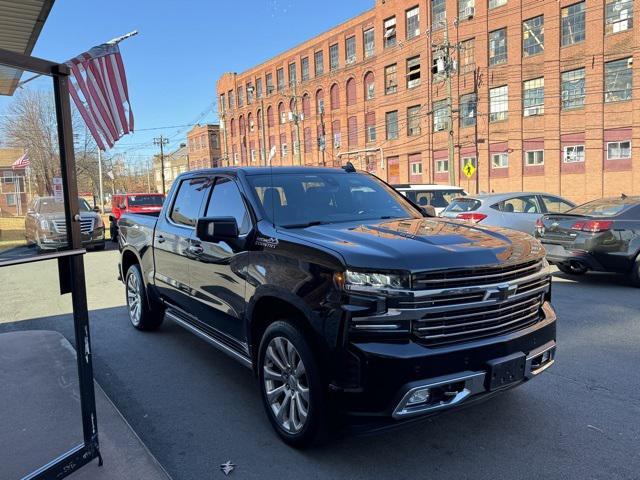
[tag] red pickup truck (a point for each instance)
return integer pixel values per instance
(144, 203)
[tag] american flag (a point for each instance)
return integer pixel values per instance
(22, 162)
(98, 86)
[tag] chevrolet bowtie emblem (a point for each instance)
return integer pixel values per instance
(506, 291)
(227, 467)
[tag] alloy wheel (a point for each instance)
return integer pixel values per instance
(134, 299)
(286, 385)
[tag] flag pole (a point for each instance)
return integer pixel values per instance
(100, 181)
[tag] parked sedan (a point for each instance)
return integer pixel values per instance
(45, 225)
(603, 235)
(518, 210)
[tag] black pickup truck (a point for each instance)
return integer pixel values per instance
(345, 300)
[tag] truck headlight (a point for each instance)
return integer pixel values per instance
(375, 280)
(44, 224)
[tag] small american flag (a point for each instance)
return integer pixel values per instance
(22, 162)
(98, 86)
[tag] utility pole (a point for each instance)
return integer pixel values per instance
(296, 119)
(449, 72)
(476, 75)
(322, 141)
(263, 132)
(161, 141)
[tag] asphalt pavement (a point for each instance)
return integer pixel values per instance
(195, 408)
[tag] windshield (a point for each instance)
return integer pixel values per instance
(50, 205)
(435, 198)
(145, 200)
(601, 208)
(297, 200)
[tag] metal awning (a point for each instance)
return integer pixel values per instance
(21, 22)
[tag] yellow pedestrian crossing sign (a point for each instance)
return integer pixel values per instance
(469, 169)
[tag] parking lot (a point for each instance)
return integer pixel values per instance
(195, 408)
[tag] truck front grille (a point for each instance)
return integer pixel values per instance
(86, 225)
(465, 313)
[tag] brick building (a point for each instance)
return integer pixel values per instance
(554, 109)
(13, 184)
(203, 142)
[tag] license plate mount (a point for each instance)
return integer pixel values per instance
(505, 371)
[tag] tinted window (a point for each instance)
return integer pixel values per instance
(555, 204)
(602, 208)
(526, 204)
(186, 207)
(459, 205)
(51, 205)
(145, 200)
(226, 201)
(299, 199)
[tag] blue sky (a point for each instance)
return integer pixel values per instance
(183, 47)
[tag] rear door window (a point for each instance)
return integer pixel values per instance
(226, 201)
(555, 204)
(186, 207)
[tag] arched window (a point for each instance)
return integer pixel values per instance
(270, 116)
(369, 86)
(292, 105)
(351, 91)
(335, 97)
(233, 127)
(352, 132)
(250, 122)
(306, 105)
(282, 116)
(337, 134)
(319, 101)
(259, 118)
(242, 126)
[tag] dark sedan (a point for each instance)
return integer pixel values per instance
(602, 236)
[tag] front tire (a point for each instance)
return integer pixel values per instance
(113, 231)
(635, 273)
(570, 269)
(291, 384)
(141, 316)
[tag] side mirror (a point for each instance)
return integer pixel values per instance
(122, 206)
(220, 229)
(428, 211)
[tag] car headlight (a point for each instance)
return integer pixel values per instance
(373, 280)
(43, 224)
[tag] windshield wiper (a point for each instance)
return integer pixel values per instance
(305, 225)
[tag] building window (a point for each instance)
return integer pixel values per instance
(370, 126)
(369, 86)
(352, 132)
(573, 89)
(259, 91)
(319, 102)
(500, 160)
(391, 79)
(573, 154)
(573, 24)
(440, 115)
(416, 168)
(413, 72)
(334, 57)
(534, 158)
(468, 110)
(334, 95)
(391, 121)
(269, 83)
(292, 74)
(618, 80)
(618, 150)
(498, 103)
(280, 79)
(468, 55)
(337, 135)
(442, 165)
(498, 47)
(351, 92)
(533, 36)
(304, 65)
(413, 121)
(413, 22)
(496, 3)
(438, 13)
(350, 50)
(369, 42)
(250, 93)
(533, 97)
(284, 149)
(231, 100)
(240, 96)
(466, 9)
(282, 115)
(223, 104)
(618, 16)
(319, 63)
(12, 199)
(390, 33)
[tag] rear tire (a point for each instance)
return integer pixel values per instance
(113, 232)
(635, 273)
(141, 316)
(570, 270)
(292, 387)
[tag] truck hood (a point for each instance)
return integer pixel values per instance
(422, 244)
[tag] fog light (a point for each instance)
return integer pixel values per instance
(419, 396)
(546, 356)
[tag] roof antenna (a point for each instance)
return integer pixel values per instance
(623, 196)
(349, 168)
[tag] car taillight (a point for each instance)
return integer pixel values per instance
(539, 223)
(474, 217)
(593, 226)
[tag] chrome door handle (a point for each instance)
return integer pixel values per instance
(195, 250)
(160, 239)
